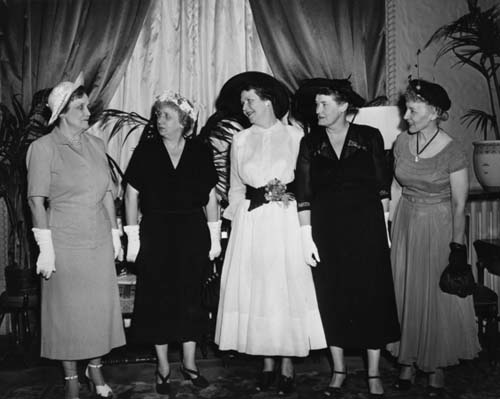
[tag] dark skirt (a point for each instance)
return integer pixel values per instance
(172, 260)
(353, 281)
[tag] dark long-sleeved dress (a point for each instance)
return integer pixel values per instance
(353, 280)
(174, 240)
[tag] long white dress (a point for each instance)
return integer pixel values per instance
(267, 302)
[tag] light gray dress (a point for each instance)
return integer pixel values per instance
(80, 309)
(437, 329)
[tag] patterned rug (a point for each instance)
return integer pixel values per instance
(234, 378)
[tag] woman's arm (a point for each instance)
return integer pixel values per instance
(109, 205)
(212, 207)
(395, 196)
(459, 181)
(131, 205)
(38, 212)
(237, 188)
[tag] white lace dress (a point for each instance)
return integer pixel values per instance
(267, 302)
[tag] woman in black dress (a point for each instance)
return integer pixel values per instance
(173, 178)
(341, 179)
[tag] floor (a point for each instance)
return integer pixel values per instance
(130, 373)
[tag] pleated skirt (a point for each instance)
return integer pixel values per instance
(437, 329)
(267, 302)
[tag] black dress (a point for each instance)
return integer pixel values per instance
(174, 240)
(353, 281)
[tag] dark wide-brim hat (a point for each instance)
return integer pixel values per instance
(304, 99)
(230, 93)
(431, 93)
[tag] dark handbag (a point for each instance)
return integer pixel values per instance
(211, 287)
(457, 278)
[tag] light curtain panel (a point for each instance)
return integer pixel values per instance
(193, 47)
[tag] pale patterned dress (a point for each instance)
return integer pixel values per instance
(267, 303)
(80, 309)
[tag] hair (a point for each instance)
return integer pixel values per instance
(264, 93)
(338, 95)
(185, 120)
(412, 95)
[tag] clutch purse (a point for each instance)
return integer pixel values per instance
(211, 288)
(457, 280)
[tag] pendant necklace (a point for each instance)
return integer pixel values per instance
(426, 144)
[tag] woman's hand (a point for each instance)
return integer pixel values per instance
(134, 243)
(46, 262)
(117, 242)
(309, 249)
(215, 248)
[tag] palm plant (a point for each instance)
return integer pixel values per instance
(474, 39)
(17, 131)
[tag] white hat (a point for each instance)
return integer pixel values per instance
(60, 94)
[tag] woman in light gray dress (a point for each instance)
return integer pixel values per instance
(69, 194)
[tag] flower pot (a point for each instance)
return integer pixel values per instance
(487, 163)
(20, 281)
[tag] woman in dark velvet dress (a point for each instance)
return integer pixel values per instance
(341, 178)
(173, 177)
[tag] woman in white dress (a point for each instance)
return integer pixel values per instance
(267, 302)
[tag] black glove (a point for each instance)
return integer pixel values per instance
(458, 255)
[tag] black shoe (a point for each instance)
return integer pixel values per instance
(266, 379)
(435, 392)
(404, 384)
(198, 381)
(163, 387)
(336, 392)
(286, 385)
(374, 395)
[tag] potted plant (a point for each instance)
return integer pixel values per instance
(18, 130)
(474, 39)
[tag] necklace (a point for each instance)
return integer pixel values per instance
(426, 144)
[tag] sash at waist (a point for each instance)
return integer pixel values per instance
(189, 211)
(425, 200)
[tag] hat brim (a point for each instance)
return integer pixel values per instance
(71, 89)
(230, 92)
(303, 106)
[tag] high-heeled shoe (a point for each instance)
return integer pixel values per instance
(266, 380)
(286, 385)
(100, 391)
(371, 394)
(336, 392)
(68, 380)
(198, 381)
(404, 384)
(163, 387)
(434, 391)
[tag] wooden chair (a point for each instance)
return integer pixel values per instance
(485, 299)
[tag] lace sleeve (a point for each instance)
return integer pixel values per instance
(303, 187)
(383, 171)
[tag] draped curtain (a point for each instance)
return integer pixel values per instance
(324, 38)
(189, 46)
(45, 42)
(192, 47)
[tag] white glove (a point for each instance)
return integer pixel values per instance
(134, 243)
(215, 248)
(311, 255)
(386, 218)
(46, 262)
(117, 242)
